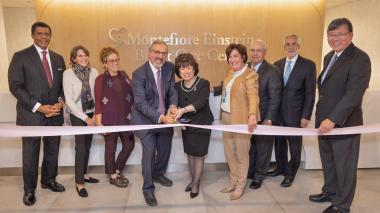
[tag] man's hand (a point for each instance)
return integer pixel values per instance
(304, 122)
(326, 126)
(267, 122)
(58, 105)
(167, 119)
(172, 111)
(48, 110)
(252, 123)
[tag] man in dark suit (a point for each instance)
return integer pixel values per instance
(299, 79)
(155, 94)
(35, 79)
(270, 96)
(341, 84)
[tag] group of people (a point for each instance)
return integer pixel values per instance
(252, 93)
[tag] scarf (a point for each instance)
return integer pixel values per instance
(83, 74)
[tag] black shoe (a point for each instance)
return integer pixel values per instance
(163, 181)
(29, 199)
(255, 184)
(150, 199)
(275, 173)
(320, 198)
(194, 194)
(332, 209)
(188, 189)
(287, 181)
(53, 186)
(91, 180)
(82, 192)
(119, 182)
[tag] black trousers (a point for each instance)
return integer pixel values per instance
(82, 150)
(30, 160)
(259, 156)
(156, 146)
(339, 156)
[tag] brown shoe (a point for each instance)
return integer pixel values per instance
(236, 194)
(119, 182)
(228, 189)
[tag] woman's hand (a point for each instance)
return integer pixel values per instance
(90, 121)
(180, 112)
(252, 123)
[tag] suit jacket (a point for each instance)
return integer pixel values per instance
(145, 109)
(298, 95)
(270, 88)
(28, 83)
(244, 96)
(341, 93)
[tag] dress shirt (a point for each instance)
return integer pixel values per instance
(293, 60)
(225, 106)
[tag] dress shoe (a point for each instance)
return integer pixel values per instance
(82, 192)
(53, 186)
(288, 181)
(29, 198)
(332, 209)
(188, 188)
(163, 180)
(255, 184)
(236, 194)
(150, 199)
(228, 189)
(119, 182)
(320, 198)
(91, 180)
(275, 173)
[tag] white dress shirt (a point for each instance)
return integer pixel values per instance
(226, 98)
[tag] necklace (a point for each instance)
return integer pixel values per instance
(194, 87)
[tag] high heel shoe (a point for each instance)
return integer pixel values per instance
(194, 194)
(188, 189)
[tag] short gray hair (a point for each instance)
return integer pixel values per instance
(155, 42)
(262, 42)
(292, 36)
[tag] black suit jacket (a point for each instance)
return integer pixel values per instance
(270, 88)
(28, 83)
(298, 95)
(145, 94)
(341, 92)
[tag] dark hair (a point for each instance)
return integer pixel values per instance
(74, 53)
(339, 22)
(185, 60)
(39, 24)
(105, 52)
(240, 48)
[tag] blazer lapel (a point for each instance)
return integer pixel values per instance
(325, 64)
(262, 68)
(295, 69)
(149, 74)
(54, 68)
(36, 60)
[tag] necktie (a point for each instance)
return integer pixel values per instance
(47, 68)
(332, 62)
(288, 70)
(161, 106)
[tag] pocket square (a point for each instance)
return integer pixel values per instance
(60, 69)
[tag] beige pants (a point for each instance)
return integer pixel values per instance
(236, 150)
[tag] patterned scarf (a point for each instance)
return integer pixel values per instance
(83, 73)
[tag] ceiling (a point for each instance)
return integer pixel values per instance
(30, 3)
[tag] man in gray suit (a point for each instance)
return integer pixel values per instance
(270, 97)
(341, 84)
(154, 94)
(35, 79)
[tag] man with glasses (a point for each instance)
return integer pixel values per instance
(299, 77)
(155, 94)
(270, 97)
(342, 83)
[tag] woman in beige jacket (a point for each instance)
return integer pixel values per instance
(240, 103)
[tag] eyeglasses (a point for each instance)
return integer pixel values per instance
(157, 52)
(112, 61)
(338, 35)
(258, 50)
